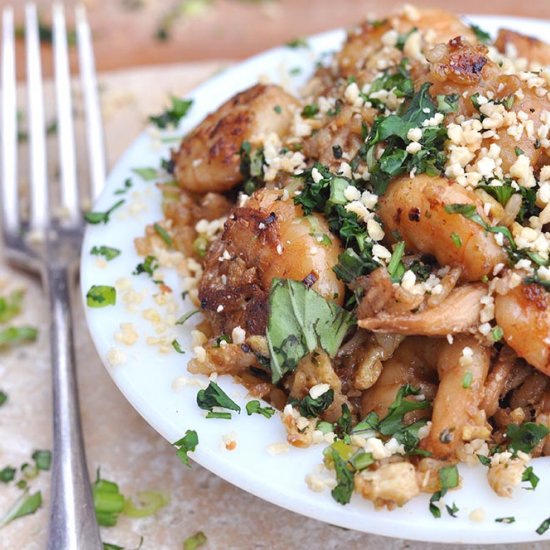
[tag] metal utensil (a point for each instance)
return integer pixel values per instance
(49, 245)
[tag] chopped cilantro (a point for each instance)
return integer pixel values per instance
(107, 252)
(148, 266)
(309, 111)
(448, 477)
(452, 510)
(101, 296)
(525, 437)
(102, 217)
(481, 35)
(344, 477)
(171, 116)
(193, 542)
(447, 103)
(255, 407)
(296, 43)
(214, 396)
(163, 234)
(311, 408)
(7, 474)
(42, 459)
(185, 445)
(501, 193)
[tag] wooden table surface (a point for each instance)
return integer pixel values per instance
(125, 31)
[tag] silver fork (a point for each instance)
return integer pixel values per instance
(49, 246)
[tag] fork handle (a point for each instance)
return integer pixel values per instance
(73, 524)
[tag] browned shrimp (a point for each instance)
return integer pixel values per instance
(524, 316)
(528, 47)
(415, 208)
(268, 238)
(208, 158)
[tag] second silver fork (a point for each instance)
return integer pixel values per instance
(50, 247)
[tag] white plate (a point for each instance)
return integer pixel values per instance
(146, 377)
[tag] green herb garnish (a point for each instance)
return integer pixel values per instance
(127, 185)
(13, 336)
(3, 397)
(10, 306)
(309, 111)
(255, 407)
(163, 234)
(467, 380)
(531, 478)
(43, 459)
(25, 505)
(214, 396)
(344, 477)
(301, 321)
(311, 408)
(102, 217)
(7, 474)
(508, 520)
(108, 501)
(107, 252)
(296, 43)
(187, 316)
(148, 266)
(171, 116)
(525, 437)
(147, 173)
(101, 296)
(543, 527)
(185, 445)
(193, 542)
(481, 35)
(177, 346)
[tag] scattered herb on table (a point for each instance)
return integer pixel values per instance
(108, 501)
(194, 541)
(3, 397)
(7, 474)
(10, 306)
(12, 336)
(25, 505)
(146, 503)
(42, 459)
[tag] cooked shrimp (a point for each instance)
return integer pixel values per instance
(415, 209)
(458, 313)
(523, 313)
(270, 237)
(462, 367)
(465, 69)
(365, 45)
(208, 158)
(523, 46)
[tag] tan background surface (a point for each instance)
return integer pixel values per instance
(117, 439)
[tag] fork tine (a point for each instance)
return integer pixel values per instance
(37, 127)
(10, 211)
(94, 129)
(65, 126)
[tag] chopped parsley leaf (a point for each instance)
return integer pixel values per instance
(452, 510)
(101, 296)
(214, 396)
(447, 103)
(102, 217)
(171, 116)
(148, 266)
(525, 437)
(107, 252)
(7, 474)
(309, 111)
(311, 408)
(185, 445)
(344, 477)
(481, 35)
(485, 460)
(127, 185)
(296, 43)
(255, 407)
(187, 316)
